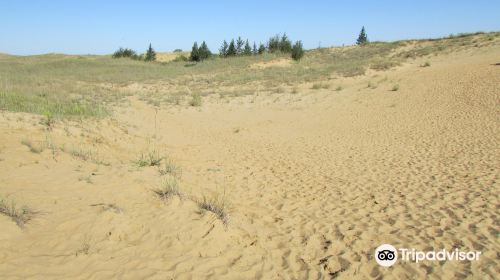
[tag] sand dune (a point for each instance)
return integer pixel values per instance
(315, 181)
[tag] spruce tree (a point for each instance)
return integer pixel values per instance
(273, 44)
(231, 50)
(204, 52)
(239, 46)
(297, 51)
(254, 49)
(362, 38)
(223, 49)
(262, 48)
(285, 44)
(247, 50)
(150, 54)
(195, 55)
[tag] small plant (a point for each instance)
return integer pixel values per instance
(168, 189)
(339, 88)
(371, 85)
(152, 158)
(170, 168)
(195, 100)
(395, 88)
(295, 90)
(320, 86)
(217, 205)
(48, 120)
(20, 216)
(426, 64)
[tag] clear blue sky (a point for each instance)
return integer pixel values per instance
(100, 27)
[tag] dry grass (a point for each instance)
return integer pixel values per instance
(170, 168)
(152, 158)
(21, 216)
(217, 205)
(169, 188)
(195, 100)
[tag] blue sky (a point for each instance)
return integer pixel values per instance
(100, 27)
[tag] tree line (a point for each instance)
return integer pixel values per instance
(238, 47)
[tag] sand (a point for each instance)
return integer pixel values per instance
(315, 181)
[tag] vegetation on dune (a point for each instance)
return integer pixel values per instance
(85, 85)
(20, 216)
(49, 106)
(150, 54)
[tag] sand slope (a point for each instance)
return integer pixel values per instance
(315, 181)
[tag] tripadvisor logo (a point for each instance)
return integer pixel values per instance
(387, 255)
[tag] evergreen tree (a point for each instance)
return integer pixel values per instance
(204, 52)
(231, 50)
(362, 38)
(254, 49)
(150, 54)
(223, 49)
(285, 44)
(262, 48)
(239, 46)
(247, 50)
(273, 45)
(195, 54)
(297, 51)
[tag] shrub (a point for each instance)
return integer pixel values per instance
(426, 64)
(195, 100)
(177, 50)
(362, 38)
(180, 58)
(150, 54)
(297, 51)
(121, 52)
(395, 88)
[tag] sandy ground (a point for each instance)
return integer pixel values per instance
(315, 181)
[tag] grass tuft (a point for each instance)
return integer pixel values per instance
(170, 168)
(195, 100)
(395, 88)
(20, 216)
(217, 205)
(168, 189)
(152, 158)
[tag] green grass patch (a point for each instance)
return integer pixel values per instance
(49, 106)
